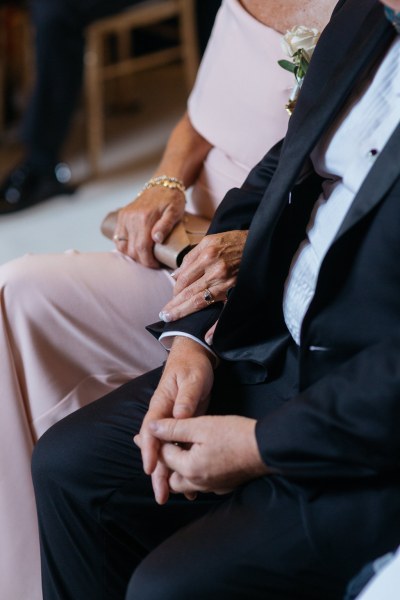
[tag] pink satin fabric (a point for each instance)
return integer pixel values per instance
(237, 102)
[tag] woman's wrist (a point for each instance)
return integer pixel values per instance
(166, 181)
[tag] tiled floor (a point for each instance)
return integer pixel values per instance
(135, 140)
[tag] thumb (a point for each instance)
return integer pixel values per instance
(164, 225)
(172, 430)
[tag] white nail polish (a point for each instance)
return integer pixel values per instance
(158, 237)
(164, 316)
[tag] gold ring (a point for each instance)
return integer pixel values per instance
(208, 297)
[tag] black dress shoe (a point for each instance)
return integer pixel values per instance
(25, 186)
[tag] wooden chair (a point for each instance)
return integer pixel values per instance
(98, 70)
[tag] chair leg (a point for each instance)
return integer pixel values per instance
(94, 87)
(190, 51)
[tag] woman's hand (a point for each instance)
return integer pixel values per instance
(146, 220)
(206, 274)
(152, 216)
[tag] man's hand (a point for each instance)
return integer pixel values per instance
(215, 453)
(146, 220)
(213, 264)
(183, 392)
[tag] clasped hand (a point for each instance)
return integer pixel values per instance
(183, 450)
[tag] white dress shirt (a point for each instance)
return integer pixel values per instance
(343, 157)
(386, 584)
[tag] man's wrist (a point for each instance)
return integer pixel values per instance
(171, 338)
(187, 343)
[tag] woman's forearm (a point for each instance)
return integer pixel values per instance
(184, 153)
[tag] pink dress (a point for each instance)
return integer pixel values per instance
(237, 102)
(72, 325)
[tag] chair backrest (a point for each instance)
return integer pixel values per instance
(98, 69)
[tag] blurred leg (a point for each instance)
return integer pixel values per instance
(59, 47)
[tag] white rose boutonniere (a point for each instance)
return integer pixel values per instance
(298, 43)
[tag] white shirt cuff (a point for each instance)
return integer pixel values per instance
(167, 338)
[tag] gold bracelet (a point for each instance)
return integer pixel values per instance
(164, 181)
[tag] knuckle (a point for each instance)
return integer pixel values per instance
(198, 301)
(141, 246)
(221, 269)
(170, 429)
(207, 255)
(187, 259)
(183, 281)
(187, 293)
(131, 221)
(142, 219)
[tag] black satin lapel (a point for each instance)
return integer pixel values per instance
(380, 179)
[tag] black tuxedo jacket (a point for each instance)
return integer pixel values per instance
(343, 427)
(350, 338)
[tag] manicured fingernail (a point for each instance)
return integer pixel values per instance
(158, 237)
(209, 340)
(165, 316)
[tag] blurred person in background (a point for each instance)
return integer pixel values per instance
(59, 51)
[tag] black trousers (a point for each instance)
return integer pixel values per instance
(59, 46)
(103, 535)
